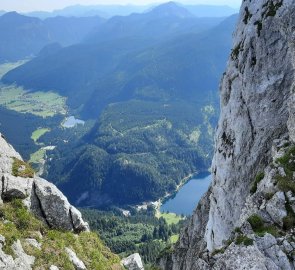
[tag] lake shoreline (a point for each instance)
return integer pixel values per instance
(186, 197)
(157, 204)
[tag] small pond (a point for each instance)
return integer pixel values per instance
(71, 122)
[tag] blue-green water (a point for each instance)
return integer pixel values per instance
(71, 122)
(187, 198)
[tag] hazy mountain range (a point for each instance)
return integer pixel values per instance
(108, 11)
(23, 36)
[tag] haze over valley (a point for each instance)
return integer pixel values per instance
(117, 106)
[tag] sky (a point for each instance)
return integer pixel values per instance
(49, 5)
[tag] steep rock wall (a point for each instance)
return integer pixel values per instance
(255, 96)
(256, 126)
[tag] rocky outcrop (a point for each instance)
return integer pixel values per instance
(78, 264)
(20, 261)
(133, 262)
(246, 220)
(41, 197)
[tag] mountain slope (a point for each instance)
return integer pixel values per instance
(24, 36)
(156, 109)
(247, 219)
(137, 151)
(98, 74)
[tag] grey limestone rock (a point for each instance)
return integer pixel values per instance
(15, 187)
(56, 209)
(34, 243)
(257, 119)
(133, 262)
(78, 264)
(43, 198)
(276, 208)
(268, 245)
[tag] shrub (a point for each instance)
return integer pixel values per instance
(238, 230)
(258, 179)
(286, 183)
(236, 51)
(242, 239)
(218, 251)
(256, 222)
(247, 16)
(289, 220)
(259, 27)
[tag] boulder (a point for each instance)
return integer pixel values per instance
(276, 208)
(56, 209)
(133, 262)
(15, 187)
(78, 264)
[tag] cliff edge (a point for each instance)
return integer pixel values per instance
(39, 228)
(246, 220)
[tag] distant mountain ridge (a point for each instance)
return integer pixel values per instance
(159, 23)
(171, 9)
(108, 11)
(23, 36)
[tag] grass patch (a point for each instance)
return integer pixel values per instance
(44, 104)
(170, 218)
(259, 227)
(4, 68)
(258, 179)
(174, 238)
(21, 223)
(88, 247)
(37, 156)
(289, 220)
(39, 133)
(22, 169)
(286, 183)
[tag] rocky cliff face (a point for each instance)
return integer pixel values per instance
(246, 220)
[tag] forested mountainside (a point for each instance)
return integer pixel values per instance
(32, 34)
(117, 65)
(247, 218)
(153, 96)
(152, 139)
